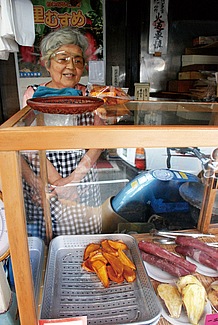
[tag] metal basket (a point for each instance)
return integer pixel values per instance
(70, 291)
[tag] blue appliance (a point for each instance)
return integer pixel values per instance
(155, 191)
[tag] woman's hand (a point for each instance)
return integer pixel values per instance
(65, 189)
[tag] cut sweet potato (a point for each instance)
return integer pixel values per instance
(101, 271)
(116, 244)
(115, 263)
(87, 265)
(125, 260)
(107, 248)
(112, 275)
(90, 248)
(98, 256)
(129, 274)
(109, 261)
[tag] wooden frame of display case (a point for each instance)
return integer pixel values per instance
(13, 139)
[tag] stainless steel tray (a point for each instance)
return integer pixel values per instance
(36, 250)
(70, 291)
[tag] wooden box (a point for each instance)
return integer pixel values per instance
(180, 86)
(189, 75)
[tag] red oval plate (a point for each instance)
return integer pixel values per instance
(65, 104)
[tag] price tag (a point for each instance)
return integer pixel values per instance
(211, 319)
(66, 321)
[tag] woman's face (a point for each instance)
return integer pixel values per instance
(67, 65)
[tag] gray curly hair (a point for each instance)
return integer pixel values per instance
(55, 39)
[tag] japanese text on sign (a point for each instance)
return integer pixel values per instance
(158, 36)
(53, 19)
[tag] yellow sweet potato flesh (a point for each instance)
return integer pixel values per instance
(194, 299)
(171, 297)
(193, 296)
(98, 256)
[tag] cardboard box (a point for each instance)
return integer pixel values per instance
(198, 67)
(180, 86)
(189, 75)
(199, 59)
(204, 40)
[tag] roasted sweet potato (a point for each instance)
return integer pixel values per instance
(129, 274)
(108, 260)
(125, 260)
(107, 248)
(90, 248)
(95, 252)
(98, 256)
(101, 271)
(115, 263)
(87, 265)
(116, 244)
(112, 275)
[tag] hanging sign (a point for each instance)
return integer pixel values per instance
(158, 36)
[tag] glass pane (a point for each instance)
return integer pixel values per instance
(138, 113)
(172, 113)
(160, 187)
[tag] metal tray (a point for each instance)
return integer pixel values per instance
(37, 253)
(70, 291)
(36, 250)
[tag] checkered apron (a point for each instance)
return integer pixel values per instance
(82, 216)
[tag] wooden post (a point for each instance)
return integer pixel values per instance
(17, 235)
(205, 216)
(45, 196)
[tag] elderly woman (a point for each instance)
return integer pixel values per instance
(74, 209)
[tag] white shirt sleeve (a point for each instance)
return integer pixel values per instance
(23, 18)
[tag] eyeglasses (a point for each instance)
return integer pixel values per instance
(64, 57)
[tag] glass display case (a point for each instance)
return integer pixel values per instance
(150, 124)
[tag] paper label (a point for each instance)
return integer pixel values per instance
(211, 319)
(66, 321)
